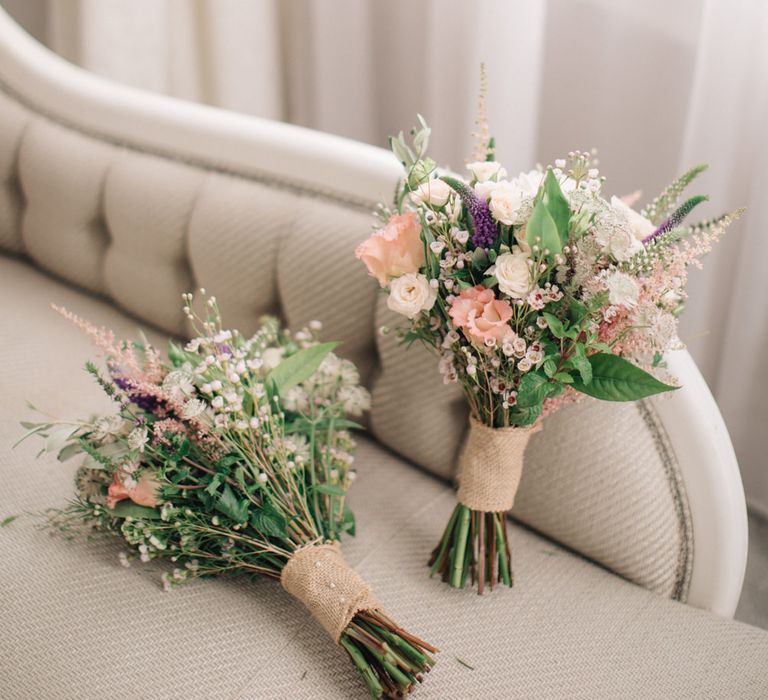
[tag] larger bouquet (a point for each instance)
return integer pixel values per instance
(532, 291)
(234, 457)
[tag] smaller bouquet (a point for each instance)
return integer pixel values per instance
(532, 291)
(235, 457)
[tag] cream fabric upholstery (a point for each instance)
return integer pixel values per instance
(76, 625)
(141, 228)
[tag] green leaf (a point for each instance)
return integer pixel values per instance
(555, 324)
(213, 487)
(549, 367)
(541, 225)
(564, 377)
(229, 504)
(533, 389)
(581, 364)
(480, 260)
(176, 354)
(524, 415)
(268, 521)
(8, 520)
(432, 261)
(129, 509)
(348, 521)
(58, 438)
(329, 490)
(69, 451)
(577, 310)
(616, 379)
(557, 206)
(299, 367)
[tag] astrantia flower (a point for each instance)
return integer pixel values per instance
(193, 408)
(107, 428)
(354, 399)
(179, 384)
(622, 289)
(137, 439)
(296, 399)
(91, 484)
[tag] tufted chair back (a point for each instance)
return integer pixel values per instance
(139, 198)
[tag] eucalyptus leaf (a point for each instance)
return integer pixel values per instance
(616, 379)
(69, 451)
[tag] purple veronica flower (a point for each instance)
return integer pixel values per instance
(145, 403)
(484, 231)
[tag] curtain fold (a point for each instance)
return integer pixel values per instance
(656, 86)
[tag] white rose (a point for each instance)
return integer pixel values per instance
(434, 192)
(640, 226)
(272, 357)
(505, 203)
(622, 289)
(513, 274)
(484, 170)
(529, 183)
(410, 294)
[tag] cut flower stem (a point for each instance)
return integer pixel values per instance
(474, 546)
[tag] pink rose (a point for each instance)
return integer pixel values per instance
(394, 250)
(143, 494)
(481, 316)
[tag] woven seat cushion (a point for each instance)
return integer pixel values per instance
(74, 624)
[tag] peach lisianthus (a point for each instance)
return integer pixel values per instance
(394, 250)
(143, 494)
(483, 318)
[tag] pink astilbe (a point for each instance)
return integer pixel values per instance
(103, 338)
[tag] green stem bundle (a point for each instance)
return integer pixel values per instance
(474, 546)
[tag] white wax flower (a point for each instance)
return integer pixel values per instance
(529, 183)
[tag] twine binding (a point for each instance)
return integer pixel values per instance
(491, 465)
(327, 586)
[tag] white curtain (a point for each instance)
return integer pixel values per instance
(655, 86)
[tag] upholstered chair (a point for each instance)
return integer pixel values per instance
(629, 532)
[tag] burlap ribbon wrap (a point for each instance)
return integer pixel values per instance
(491, 465)
(329, 588)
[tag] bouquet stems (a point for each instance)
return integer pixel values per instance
(474, 546)
(389, 659)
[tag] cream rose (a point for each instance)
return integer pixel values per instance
(484, 170)
(434, 192)
(506, 202)
(411, 294)
(640, 226)
(513, 274)
(529, 183)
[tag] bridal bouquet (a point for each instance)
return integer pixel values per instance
(532, 291)
(234, 457)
